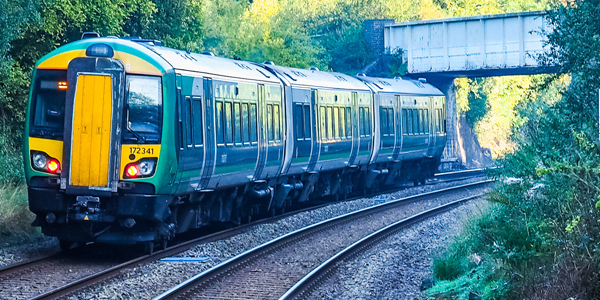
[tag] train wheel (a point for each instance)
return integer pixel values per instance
(65, 245)
(149, 247)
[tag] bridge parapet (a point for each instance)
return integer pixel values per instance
(489, 45)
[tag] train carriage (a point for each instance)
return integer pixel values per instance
(129, 142)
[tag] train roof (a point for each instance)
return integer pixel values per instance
(316, 78)
(213, 65)
(402, 86)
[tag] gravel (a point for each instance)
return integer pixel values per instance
(397, 267)
(150, 280)
(12, 252)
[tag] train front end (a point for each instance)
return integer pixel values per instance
(92, 144)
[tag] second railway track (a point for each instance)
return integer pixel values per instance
(59, 275)
(268, 270)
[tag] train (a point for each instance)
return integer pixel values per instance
(130, 142)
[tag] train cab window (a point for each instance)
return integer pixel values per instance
(48, 104)
(307, 124)
(219, 122)
(276, 122)
(270, 124)
(323, 122)
(228, 123)
(348, 122)
(143, 108)
(298, 122)
(237, 128)
(197, 121)
(245, 124)
(383, 121)
(253, 127)
(342, 124)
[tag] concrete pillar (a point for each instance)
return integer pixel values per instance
(446, 85)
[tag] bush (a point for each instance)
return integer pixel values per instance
(15, 217)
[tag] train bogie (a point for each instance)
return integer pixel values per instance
(130, 142)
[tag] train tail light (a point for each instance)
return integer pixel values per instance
(40, 161)
(132, 171)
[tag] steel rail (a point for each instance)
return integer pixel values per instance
(89, 280)
(310, 282)
(84, 282)
(225, 266)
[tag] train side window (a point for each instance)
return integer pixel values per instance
(228, 123)
(330, 134)
(187, 121)
(361, 120)
(349, 122)
(253, 126)
(414, 118)
(383, 121)
(336, 122)
(391, 127)
(367, 122)
(219, 122)
(342, 124)
(276, 122)
(245, 124)
(270, 122)
(426, 120)
(404, 121)
(439, 120)
(323, 123)
(307, 124)
(237, 129)
(298, 122)
(197, 120)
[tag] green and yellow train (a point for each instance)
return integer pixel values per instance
(129, 142)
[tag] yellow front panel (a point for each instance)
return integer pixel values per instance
(92, 119)
(133, 153)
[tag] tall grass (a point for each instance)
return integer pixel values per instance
(15, 217)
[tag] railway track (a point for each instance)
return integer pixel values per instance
(70, 273)
(271, 268)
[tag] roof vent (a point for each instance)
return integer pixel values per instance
(422, 79)
(208, 53)
(361, 74)
(89, 35)
(314, 69)
(138, 39)
(268, 62)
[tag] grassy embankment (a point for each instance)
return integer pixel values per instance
(15, 217)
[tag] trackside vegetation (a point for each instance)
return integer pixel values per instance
(541, 237)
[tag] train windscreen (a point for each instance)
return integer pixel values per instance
(143, 109)
(48, 104)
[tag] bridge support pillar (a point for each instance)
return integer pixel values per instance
(446, 85)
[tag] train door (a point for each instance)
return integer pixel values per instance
(430, 127)
(263, 143)
(209, 133)
(315, 138)
(355, 133)
(92, 143)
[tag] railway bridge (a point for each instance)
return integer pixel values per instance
(478, 46)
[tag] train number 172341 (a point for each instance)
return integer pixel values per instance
(141, 150)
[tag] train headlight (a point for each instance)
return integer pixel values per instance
(146, 167)
(142, 168)
(40, 161)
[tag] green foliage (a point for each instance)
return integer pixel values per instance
(15, 218)
(398, 67)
